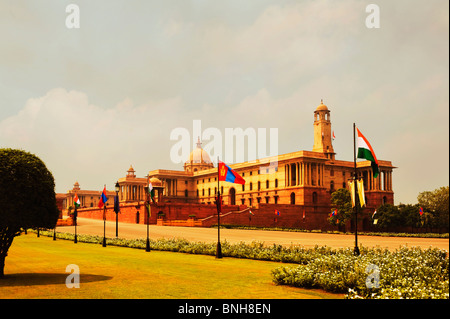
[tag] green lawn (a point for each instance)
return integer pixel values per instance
(35, 268)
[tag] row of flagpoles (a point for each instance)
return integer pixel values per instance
(225, 173)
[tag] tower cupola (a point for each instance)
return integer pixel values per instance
(322, 131)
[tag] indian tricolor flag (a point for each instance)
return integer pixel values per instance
(76, 201)
(365, 151)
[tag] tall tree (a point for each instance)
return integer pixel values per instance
(27, 197)
(437, 203)
(341, 201)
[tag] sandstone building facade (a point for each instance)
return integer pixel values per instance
(298, 184)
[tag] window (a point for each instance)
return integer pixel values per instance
(185, 193)
(243, 187)
(259, 185)
(314, 198)
(251, 186)
(276, 183)
(292, 198)
(267, 183)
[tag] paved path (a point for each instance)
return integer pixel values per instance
(133, 231)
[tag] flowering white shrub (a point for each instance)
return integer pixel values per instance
(405, 273)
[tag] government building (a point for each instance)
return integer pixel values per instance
(298, 185)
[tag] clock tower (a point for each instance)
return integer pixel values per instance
(322, 131)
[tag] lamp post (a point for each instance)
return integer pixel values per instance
(116, 208)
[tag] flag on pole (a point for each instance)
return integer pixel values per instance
(277, 212)
(116, 204)
(251, 213)
(151, 191)
(362, 198)
(333, 213)
(420, 211)
(351, 185)
(219, 204)
(374, 213)
(365, 151)
(103, 198)
(334, 137)
(228, 175)
(76, 201)
(149, 207)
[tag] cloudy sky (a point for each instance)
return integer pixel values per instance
(93, 100)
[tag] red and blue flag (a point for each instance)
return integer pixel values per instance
(103, 198)
(333, 213)
(228, 175)
(277, 212)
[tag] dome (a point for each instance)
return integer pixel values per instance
(322, 107)
(155, 181)
(199, 156)
(199, 160)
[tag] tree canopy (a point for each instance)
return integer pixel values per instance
(342, 202)
(27, 196)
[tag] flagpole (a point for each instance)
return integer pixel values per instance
(104, 223)
(75, 222)
(356, 250)
(219, 205)
(147, 208)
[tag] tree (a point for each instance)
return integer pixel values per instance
(437, 204)
(388, 216)
(342, 201)
(409, 215)
(27, 197)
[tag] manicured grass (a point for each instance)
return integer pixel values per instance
(35, 268)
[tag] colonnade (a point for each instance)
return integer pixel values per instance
(304, 174)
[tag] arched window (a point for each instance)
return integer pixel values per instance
(232, 196)
(292, 198)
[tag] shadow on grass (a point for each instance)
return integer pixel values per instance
(36, 279)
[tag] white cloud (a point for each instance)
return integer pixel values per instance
(86, 142)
